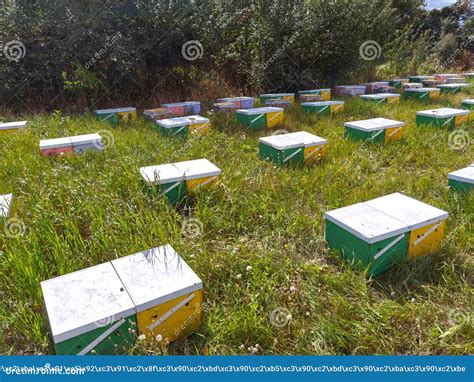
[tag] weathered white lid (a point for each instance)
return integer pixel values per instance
(374, 124)
(452, 86)
(85, 139)
(322, 103)
(156, 276)
(443, 112)
(13, 125)
(367, 223)
(313, 90)
(260, 110)
(169, 123)
(85, 300)
(5, 202)
(292, 140)
(193, 119)
(55, 143)
(351, 86)
(421, 77)
(469, 101)
(422, 90)
(380, 95)
(187, 103)
(199, 168)
(117, 110)
(234, 99)
(465, 175)
(277, 95)
(414, 213)
(163, 173)
(446, 75)
(469, 74)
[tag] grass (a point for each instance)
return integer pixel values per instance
(262, 248)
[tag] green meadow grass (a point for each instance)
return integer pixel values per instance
(262, 249)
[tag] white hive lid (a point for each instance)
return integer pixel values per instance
(13, 125)
(161, 174)
(199, 168)
(193, 119)
(469, 101)
(380, 95)
(82, 301)
(367, 223)
(260, 110)
(443, 112)
(169, 123)
(86, 139)
(5, 202)
(414, 213)
(55, 143)
(116, 110)
(313, 90)
(322, 103)
(351, 86)
(421, 90)
(156, 276)
(277, 95)
(452, 86)
(290, 140)
(374, 124)
(234, 99)
(465, 175)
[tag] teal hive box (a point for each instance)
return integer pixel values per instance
(287, 96)
(420, 79)
(323, 108)
(452, 88)
(382, 98)
(375, 130)
(261, 118)
(397, 83)
(183, 126)
(444, 117)
(462, 180)
(422, 94)
(115, 116)
(468, 104)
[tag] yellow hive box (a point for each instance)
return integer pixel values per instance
(10, 127)
(275, 118)
(198, 173)
(166, 292)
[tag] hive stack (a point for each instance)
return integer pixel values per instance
(5, 203)
(177, 180)
(239, 102)
(462, 180)
(444, 117)
(350, 90)
(452, 88)
(381, 232)
(293, 148)
(323, 108)
(325, 94)
(184, 126)
(69, 145)
(382, 98)
(375, 130)
(423, 94)
(287, 96)
(158, 113)
(263, 117)
(180, 109)
(102, 309)
(117, 116)
(9, 127)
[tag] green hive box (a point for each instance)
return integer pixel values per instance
(444, 117)
(382, 98)
(115, 116)
(292, 148)
(452, 88)
(180, 126)
(462, 180)
(376, 130)
(419, 79)
(90, 312)
(422, 94)
(468, 104)
(397, 83)
(288, 96)
(260, 118)
(324, 93)
(323, 108)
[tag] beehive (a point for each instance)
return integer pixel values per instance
(381, 232)
(116, 116)
(444, 117)
(455, 80)
(284, 103)
(324, 108)
(462, 180)
(423, 94)
(444, 77)
(420, 79)
(90, 312)
(184, 126)
(430, 83)
(240, 102)
(263, 117)
(288, 96)
(12, 126)
(165, 291)
(412, 85)
(5, 203)
(382, 98)
(468, 104)
(350, 90)
(225, 107)
(324, 93)
(177, 180)
(310, 98)
(293, 148)
(469, 77)
(375, 130)
(158, 113)
(376, 87)
(180, 109)
(68, 145)
(397, 83)
(452, 88)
